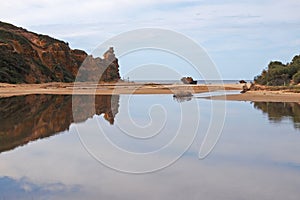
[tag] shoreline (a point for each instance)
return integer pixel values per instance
(8, 90)
(260, 96)
(84, 88)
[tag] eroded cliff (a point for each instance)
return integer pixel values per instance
(27, 57)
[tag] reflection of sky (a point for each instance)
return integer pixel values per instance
(254, 159)
(24, 189)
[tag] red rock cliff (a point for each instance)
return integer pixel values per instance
(27, 57)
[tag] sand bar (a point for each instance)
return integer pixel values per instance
(7, 90)
(261, 96)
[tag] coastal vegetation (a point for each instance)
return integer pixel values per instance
(279, 74)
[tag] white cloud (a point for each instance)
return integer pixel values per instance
(221, 26)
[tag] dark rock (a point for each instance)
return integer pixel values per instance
(245, 88)
(188, 80)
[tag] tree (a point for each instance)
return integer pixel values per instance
(278, 74)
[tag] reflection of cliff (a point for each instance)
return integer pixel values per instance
(279, 111)
(104, 104)
(27, 118)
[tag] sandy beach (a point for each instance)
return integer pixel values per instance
(7, 90)
(261, 96)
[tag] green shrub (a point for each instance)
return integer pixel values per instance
(278, 74)
(296, 78)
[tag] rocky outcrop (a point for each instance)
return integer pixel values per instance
(244, 88)
(98, 69)
(28, 118)
(188, 80)
(27, 57)
(242, 81)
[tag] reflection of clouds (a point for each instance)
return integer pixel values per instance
(249, 137)
(23, 188)
(133, 147)
(256, 160)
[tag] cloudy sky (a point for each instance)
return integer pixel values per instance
(241, 37)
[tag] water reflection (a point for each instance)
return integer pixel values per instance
(28, 118)
(180, 99)
(183, 96)
(278, 111)
(251, 160)
(23, 188)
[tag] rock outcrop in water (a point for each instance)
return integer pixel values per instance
(188, 80)
(27, 57)
(28, 118)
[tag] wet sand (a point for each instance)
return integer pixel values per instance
(261, 96)
(7, 90)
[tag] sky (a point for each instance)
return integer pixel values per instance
(240, 37)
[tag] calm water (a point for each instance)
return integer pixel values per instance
(198, 81)
(48, 152)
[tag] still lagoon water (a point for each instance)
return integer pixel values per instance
(47, 152)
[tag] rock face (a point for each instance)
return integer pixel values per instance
(28, 118)
(27, 57)
(98, 69)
